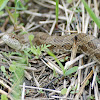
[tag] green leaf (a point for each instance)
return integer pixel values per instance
(66, 58)
(3, 69)
(3, 3)
(59, 63)
(11, 16)
(19, 5)
(63, 91)
(44, 47)
(12, 68)
(4, 97)
(91, 13)
(98, 80)
(57, 10)
(74, 92)
(87, 82)
(90, 97)
(69, 1)
(71, 70)
(23, 32)
(62, 60)
(31, 37)
(1, 12)
(15, 16)
(16, 53)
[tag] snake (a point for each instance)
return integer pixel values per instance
(87, 44)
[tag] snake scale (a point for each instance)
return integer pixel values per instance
(88, 44)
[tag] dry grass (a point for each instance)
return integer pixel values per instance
(42, 81)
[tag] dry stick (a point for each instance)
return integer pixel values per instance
(35, 27)
(63, 27)
(84, 66)
(6, 86)
(27, 75)
(30, 21)
(66, 13)
(23, 91)
(83, 17)
(96, 91)
(31, 87)
(51, 66)
(74, 50)
(87, 19)
(84, 84)
(5, 93)
(41, 73)
(46, 22)
(97, 14)
(69, 19)
(94, 77)
(64, 84)
(29, 26)
(61, 98)
(70, 87)
(79, 75)
(53, 93)
(6, 81)
(36, 82)
(78, 28)
(43, 15)
(44, 5)
(73, 61)
(52, 28)
(89, 90)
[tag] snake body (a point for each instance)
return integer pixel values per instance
(88, 44)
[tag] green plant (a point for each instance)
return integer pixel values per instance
(63, 91)
(66, 58)
(71, 70)
(14, 16)
(59, 63)
(73, 90)
(3, 3)
(5, 73)
(57, 11)
(4, 97)
(91, 98)
(17, 72)
(69, 1)
(91, 13)
(37, 50)
(18, 5)
(98, 79)
(66, 72)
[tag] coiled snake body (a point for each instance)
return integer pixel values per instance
(88, 44)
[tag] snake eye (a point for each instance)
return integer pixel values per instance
(62, 45)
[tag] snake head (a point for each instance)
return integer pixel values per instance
(11, 42)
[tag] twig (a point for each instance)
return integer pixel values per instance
(52, 28)
(83, 85)
(23, 91)
(30, 87)
(73, 61)
(84, 66)
(43, 15)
